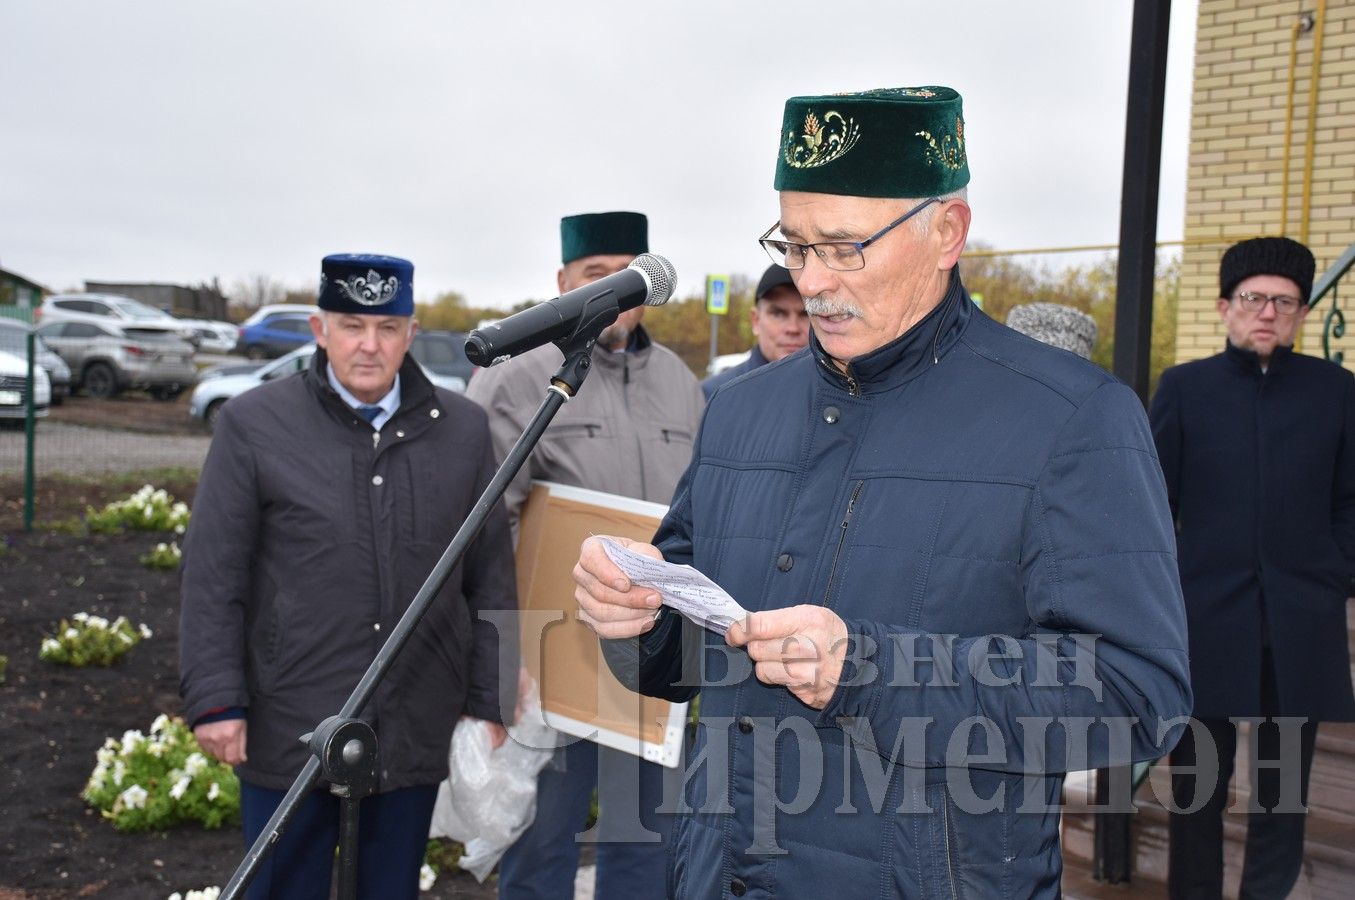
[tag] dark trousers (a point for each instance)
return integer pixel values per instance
(631, 835)
(1274, 850)
(392, 837)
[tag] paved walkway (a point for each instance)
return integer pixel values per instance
(77, 450)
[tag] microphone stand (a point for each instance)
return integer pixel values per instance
(344, 747)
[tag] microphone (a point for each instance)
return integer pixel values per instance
(650, 280)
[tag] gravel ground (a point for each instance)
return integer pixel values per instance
(79, 450)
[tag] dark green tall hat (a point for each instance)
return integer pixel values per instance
(888, 142)
(603, 234)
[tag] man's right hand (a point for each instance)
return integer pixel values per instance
(608, 603)
(224, 740)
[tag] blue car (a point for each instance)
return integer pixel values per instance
(274, 335)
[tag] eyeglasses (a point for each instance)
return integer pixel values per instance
(1254, 302)
(844, 256)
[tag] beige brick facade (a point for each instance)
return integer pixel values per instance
(1235, 187)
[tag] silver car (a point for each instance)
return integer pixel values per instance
(14, 339)
(112, 309)
(106, 359)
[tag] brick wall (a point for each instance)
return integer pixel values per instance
(1236, 177)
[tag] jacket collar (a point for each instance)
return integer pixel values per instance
(635, 355)
(415, 388)
(908, 356)
(756, 357)
(1250, 360)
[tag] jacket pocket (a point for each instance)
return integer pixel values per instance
(268, 643)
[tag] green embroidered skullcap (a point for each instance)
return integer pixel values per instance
(603, 234)
(888, 142)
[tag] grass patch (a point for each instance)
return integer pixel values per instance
(60, 499)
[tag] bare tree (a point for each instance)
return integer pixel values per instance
(256, 290)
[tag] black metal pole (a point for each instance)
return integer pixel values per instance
(578, 360)
(1112, 857)
(1138, 193)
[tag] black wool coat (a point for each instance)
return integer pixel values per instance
(311, 534)
(1260, 470)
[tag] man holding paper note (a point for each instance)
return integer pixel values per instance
(954, 542)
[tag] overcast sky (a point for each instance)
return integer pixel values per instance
(165, 140)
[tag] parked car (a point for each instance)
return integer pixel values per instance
(443, 353)
(14, 385)
(214, 337)
(212, 393)
(725, 361)
(14, 339)
(270, 309)
(230, 368)
(274, 335)
(114, 309)
(106, 359)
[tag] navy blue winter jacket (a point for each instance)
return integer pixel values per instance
(962, 489)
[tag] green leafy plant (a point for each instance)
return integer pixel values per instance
(163, 556)
(85, 640)
(149, 509)
(441, 855)
(156, 781)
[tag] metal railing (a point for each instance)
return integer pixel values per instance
(1334, 323)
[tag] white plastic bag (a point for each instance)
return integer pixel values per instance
(489, 797)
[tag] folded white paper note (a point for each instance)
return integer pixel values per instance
(681, 587)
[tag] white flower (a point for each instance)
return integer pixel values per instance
(145, 633)
(179, 529)
(100, 621)
(155, 748)
(134, 797)
(125, 638)
(195, 764)
(160, 724)
(80, 617)
(71, 634)
(180, 786)
(50, 645)
(131, 739)
(104, 755)
(214, 791)
(426, 877)
(98, 776)
(119, 772)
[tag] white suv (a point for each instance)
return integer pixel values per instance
(112, 309)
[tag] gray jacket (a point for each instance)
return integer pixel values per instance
(628, 432)
(310, 536)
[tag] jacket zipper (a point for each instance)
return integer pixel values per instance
(853, 387)
(945, 836)
(841, 539)
(639, 445)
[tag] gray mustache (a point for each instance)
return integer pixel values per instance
(822, 306)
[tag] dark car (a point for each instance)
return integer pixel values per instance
(274, 335)
(444, 354)
(14, 339)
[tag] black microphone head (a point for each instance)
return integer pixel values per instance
(660, 276)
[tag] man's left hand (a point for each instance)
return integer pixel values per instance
(801, 647)
(497, 733)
